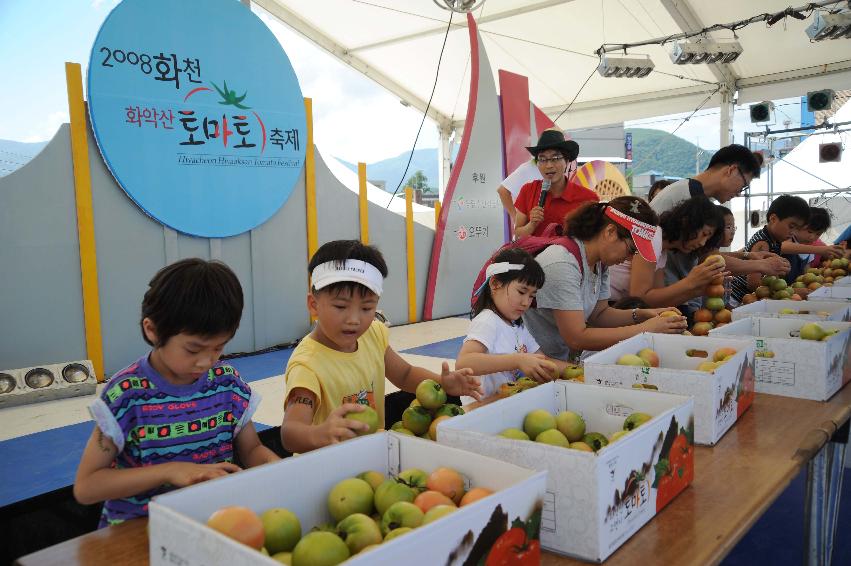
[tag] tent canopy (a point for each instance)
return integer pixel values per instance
(553, 43)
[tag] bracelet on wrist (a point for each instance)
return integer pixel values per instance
(635, 316)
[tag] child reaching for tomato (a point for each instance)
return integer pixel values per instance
(339, 368)
(498, 346)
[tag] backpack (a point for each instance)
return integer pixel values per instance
(534, 245)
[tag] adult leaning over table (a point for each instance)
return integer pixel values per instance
(572, 312)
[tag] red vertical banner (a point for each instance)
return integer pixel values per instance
(542, 121)
(516, 127)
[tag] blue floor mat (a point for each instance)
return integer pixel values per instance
(777, 538)
(40, 463)
(261, 366)
(445, 349)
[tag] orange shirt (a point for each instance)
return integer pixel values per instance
(555, 208)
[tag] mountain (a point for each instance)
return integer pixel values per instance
(651, 149)
(390, 170)
(14, 155)
(660, 151)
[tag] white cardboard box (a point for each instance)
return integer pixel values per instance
(843, 281)
(585, 512)
(835, 293)
(720, 397)
(796, 368)
(767, 308)
(179, 535)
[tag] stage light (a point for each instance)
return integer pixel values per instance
(830, 152)
(38, 378)
(758, 218)
(459, 6)
(46, 383)
(685, 53)
(761, 112)
(7, 383)
(820, 100)
(75, 373)
(829, 26)
(628, 67)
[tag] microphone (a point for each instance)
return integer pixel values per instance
(545, 187)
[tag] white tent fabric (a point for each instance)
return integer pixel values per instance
(552, 42)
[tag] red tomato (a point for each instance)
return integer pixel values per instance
(512, 549)
(665, 491)
(678, 449)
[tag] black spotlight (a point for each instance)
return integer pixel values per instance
(761, 112)
(830, 152)
(818, 100)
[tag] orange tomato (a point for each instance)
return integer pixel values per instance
(448, 482)
(428, 499)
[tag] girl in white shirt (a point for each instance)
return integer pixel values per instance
(498, 347)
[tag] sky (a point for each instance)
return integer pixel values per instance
(354, 118)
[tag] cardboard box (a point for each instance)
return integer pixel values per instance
(179, 534)
(594, 502)
(720, 397)
(804, 310)
(844, 281)
(787, 365)
(835, 293)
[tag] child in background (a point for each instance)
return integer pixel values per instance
(786, 215)
(807, 247)
(498, 347)
(341, 365)
(729, 227)
(175, 416)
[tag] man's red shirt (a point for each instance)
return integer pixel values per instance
(555, 208)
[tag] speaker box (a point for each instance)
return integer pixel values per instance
(46, 383)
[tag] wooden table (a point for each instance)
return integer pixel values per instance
(735, 482)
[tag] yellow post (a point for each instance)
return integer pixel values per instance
(409, 243)
(310, 182)
(363, 204)
(436, 213)
(310, 187)
(85, 217)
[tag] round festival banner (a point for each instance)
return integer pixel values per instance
(604, 179)
(197, 112)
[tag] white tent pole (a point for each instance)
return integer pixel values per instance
(444, 156)
(726, 115)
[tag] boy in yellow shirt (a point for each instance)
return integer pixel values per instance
(341, 365)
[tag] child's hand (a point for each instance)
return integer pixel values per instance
(460, 382)
(832, 252)
(338, 428)
(774, 265)
(538, 367)
(182, 474)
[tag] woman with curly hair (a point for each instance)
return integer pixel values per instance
(694, 227)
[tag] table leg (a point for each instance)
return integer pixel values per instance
(824, 488)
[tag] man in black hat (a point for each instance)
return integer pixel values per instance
(552, 155)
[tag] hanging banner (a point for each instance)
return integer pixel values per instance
(197, 112)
